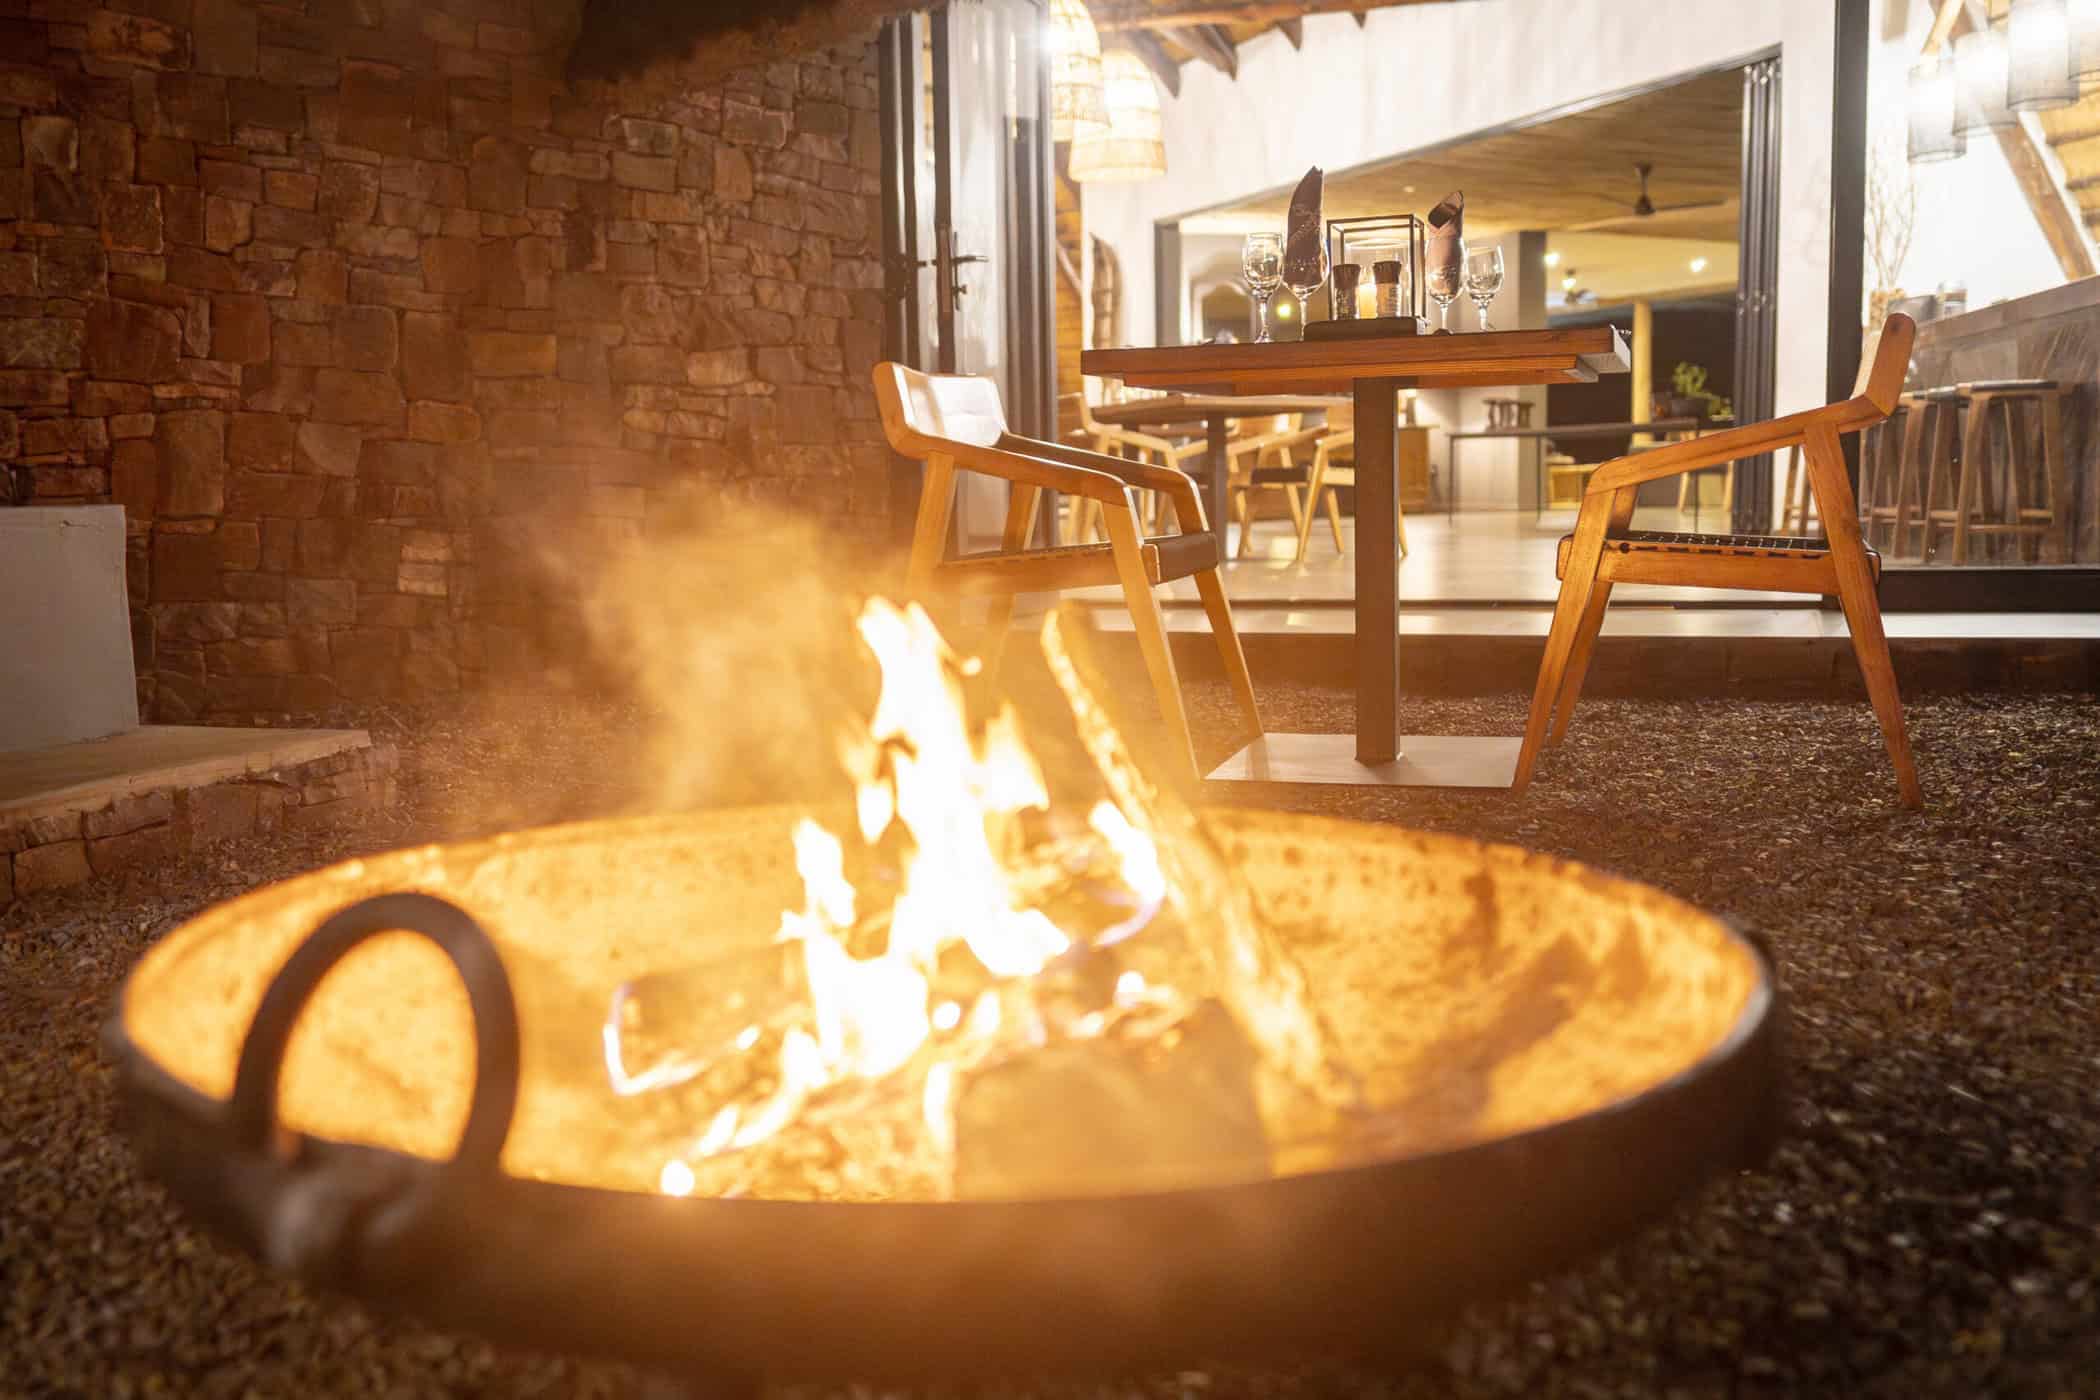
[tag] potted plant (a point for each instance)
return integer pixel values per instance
(1689, 397)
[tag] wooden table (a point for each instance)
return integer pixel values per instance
(1374, 372)
(1215, 414)
(1541, 437)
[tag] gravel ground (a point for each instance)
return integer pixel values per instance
(1932, 1226)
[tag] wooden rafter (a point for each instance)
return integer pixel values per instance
(1211, 44)
(1146, 45)
(1176, 14)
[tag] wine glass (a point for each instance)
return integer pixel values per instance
(1483, 278)
(1445, 280)
(1261, 259)
(1308, 275)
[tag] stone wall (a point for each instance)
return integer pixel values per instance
(67, 841)
(364, 316)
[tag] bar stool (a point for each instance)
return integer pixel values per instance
(2035, 493)
(1888, 474)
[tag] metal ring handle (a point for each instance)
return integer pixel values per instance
(253, 1110)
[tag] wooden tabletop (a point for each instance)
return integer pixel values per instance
(1574, 430)
(1478, 359)
(1189, 408)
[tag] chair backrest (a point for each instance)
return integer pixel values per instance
(1094, 390)
(921, 411)
(1884, 363)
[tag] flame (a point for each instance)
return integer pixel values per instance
(969, 879)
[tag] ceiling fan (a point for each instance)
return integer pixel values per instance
(1644, 206)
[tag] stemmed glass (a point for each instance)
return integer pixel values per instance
(1308, 276)
(1445, 281)
(1261, 259)
(1483, 278)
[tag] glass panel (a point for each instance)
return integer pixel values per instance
(993, 56)
(1978, 200)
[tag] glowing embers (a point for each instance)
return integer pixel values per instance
(950, 969)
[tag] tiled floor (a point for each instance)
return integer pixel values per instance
(1490, 573)
(1475, 557)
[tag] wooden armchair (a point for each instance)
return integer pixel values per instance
(1116, 440)
(955, 423)
(1604, 550)
(1334, 466)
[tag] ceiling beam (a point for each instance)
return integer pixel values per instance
(1293, 30)
(1211, 44)
(1146, 45)
(1175, 14)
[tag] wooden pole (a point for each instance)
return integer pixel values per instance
(1643, 364)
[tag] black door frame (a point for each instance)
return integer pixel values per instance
(1029, 254)
(1757, 287)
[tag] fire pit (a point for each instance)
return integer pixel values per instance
(1428, 1071)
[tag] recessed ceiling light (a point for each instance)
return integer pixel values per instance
(1698, 264)
(1407, 189)
(1552, 259)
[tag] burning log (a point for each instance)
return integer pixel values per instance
(1058, 990)
(1114, 1114)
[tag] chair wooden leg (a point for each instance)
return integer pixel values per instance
(1584, 557)
(1300, 504)
(1243, 511)
(1315, 484)
(1021, 504)
(2060, 506)
(1907, 476)
(1579, 660)
(1151, 630)
(929, 537)
(1684, 487)
(1826, 464)
(1967, 494)
(1212, 589)
(1399, 524)
(1334, 519)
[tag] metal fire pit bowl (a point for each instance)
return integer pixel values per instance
(1557, 1057)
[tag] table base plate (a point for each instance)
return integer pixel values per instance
(1426, 760)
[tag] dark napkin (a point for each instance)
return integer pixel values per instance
(1304, 235)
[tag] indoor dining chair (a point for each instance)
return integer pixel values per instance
(955, 423)
(1604, 550)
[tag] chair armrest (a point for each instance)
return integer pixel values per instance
(1129, 470)
(1038, 467)
(1712, 450)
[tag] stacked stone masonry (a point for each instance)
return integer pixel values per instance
(48, 850)
(380, 332)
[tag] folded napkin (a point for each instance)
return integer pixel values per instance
(1443, 244)
(1304, 237)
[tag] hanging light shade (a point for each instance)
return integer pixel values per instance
(1930, 102)
(1982, 68)
(1134, 146)
(2038, 56)
(1077, 107)
(2082, 19)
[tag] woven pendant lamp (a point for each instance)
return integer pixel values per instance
(1077, 107)
(1134, 146)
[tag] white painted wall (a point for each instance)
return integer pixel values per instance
(1420, 74)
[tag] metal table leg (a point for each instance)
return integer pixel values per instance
(1214, 462)
(1377, 754)
(1377, 570)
